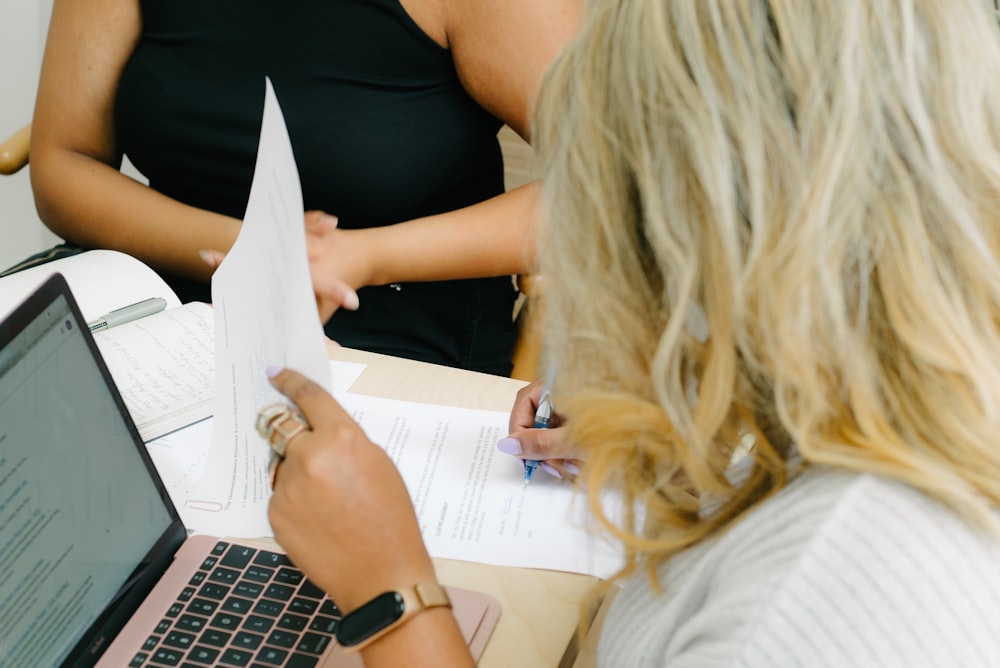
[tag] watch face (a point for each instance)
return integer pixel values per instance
(374, 616)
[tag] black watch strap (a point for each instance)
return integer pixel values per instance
(387, 611)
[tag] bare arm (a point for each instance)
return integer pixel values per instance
(79, 192)
(341, 511)
(501, 50)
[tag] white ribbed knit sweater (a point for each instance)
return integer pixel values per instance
(837, 570)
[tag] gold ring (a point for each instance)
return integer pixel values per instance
(271, 421)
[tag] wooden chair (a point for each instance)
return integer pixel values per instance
(14, 151)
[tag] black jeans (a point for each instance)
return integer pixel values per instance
(54, 253)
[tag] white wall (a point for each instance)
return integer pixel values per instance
(23, 24)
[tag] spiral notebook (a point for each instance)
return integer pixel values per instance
(98, 568)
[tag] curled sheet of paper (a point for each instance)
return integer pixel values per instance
(265, 314)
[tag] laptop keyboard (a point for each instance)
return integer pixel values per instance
(244, 607)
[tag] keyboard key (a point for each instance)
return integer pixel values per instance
(198, 578)
(166, 657)
(238, 556)
(274, 559)
(224, 575)
(215, 638)
(280, 592)
(237, 605)
(226, 621)
(235, 657)
(282, 638)
(186, 594)
(293, 622)
(209, 563)
(220, 548)
(191, 623)
(289, 576)
(303, 606)
(301, 661)
(268, 608)
(258, 624)
(174, 610)
(203, 654)
(162, 627)
(330, 609)
(202, 606)
(314, 643)
(272, 656)
(138, 660)
(248, 589)
(258, 574)
(179, 639)
(324, 624)
(214, 591)
(245, 640)
(151, 642)
(311, 590)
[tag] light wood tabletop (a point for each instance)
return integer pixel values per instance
(540, 609)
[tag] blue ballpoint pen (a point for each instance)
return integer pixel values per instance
(542, 416)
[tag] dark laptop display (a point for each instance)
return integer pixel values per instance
(82, 513)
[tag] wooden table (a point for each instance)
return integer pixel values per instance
(541, 609)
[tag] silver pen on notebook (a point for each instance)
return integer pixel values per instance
(128, 313)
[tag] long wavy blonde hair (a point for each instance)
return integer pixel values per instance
(816, 186)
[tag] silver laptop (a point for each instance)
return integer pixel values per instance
(95, 565)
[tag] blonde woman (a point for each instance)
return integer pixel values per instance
(773, 293)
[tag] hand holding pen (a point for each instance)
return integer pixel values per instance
(543, 414)
(536, 436)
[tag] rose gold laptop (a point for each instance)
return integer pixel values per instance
(96, 566)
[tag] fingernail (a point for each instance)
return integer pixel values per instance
(207, 257)
(551, 470)
(351, 301)
(571, 468)
(509, 446)
(272, 371)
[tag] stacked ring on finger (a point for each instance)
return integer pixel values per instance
(271, 421)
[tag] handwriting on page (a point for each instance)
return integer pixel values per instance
(164, 367)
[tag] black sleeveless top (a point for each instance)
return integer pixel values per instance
(380, 125)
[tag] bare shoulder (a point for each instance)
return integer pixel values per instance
(502, 48)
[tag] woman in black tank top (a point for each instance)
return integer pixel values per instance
(392, 110)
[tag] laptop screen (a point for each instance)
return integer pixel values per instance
(82, 516)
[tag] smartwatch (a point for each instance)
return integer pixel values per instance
(385, 612)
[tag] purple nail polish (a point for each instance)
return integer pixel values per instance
(551, 470)
(509, 446)
(272, 370)
(571, 468)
